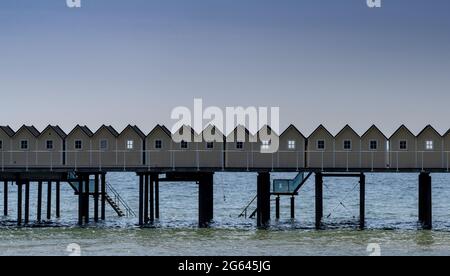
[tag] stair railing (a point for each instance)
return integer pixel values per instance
(119, 200)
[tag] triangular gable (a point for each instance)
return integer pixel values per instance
(57, 130)
(295, 129)
(163, 128)
(110, 129)
(321, 127)
(30, 129)
(427, 128)
(374, 128)
(347, 127)
(84, 129)
(8, 130)
(399, 129)
(136, 129)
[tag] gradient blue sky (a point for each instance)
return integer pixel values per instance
(132, 61)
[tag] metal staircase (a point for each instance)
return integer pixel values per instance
(117, 203)
(281, 187)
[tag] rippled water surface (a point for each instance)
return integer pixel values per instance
(391, 205)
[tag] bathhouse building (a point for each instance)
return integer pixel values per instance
(347, 149)
(320, 149)
(429, 149)
(446, 152)
(51, 147)
(78, 147)
(374, 154)
(240, 144)
(24, 147)
(159, 145)
(6, 135)
(104, 147)
(211, 148)
(402, 149)
(292, 145)
(131, 147)
(185, 148)
(264, 154)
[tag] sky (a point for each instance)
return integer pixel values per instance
(325, 62)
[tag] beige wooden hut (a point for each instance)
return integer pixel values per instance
(374, 151)
(104, 147)
(78, 147)
(292, 147)
(211, 148)
(263, 155)
(320, 149)
(159, 145)
(6, 135)
(240, 144)
(131, 148)
(24, 147)
(430, 149)
(402, 149)
(185, 148)
(347, 149)
(51, 147)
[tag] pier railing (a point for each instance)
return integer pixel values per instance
(224, 159)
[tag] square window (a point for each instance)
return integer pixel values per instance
(24, 144)
(103, 144)
(130, 144)
(158, 144)
(429, 145)
(373, 145)
(209, 145)
(320, 144)
(184, 145)
(78, 145)
(291, 145)
(239, 145)
(49, 144)
(347, 145)
(403, 145)
(265, 145)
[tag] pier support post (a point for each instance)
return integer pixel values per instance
(58, 199)
(103, 203)
(96, 196)
(146, 198)
(152, 198)
(277, 207)
(49, 200)
(19, 202)
(86, 198)
(263, 200)
(27, 202)
(425, 201)
(80, 200)
(205, 199)
(39, 202)
(292, 207)
(362, 201)
(319, 200)
(5, 198)
(157, 196)
(141, 199)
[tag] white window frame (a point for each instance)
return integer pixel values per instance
(46, 145)
(130, 144)
(429, 145)
(292, 144)
(181, 145)
(370, 145)
(100, 144)
(400, 145)
(75, 144)
(324, 145)
(351, 144)
(27, 142)
(156, 142)
(265, 145)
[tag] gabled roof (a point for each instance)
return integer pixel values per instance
(108, 128)
(269, 128)
(400, 128)
(135, 129)
(374, 127)
(429, 127)
(189, 127)
(84, 129)
(295, 129)
(347, 127)
(318, 128)
(31, 129)
(447, 133)
(163, 128)
(215, 128)
(8, 130)
(57, 130)
(247, 132)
